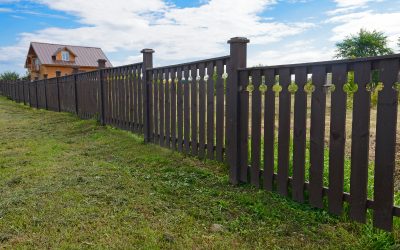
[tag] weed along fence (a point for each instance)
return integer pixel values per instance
(279, 128)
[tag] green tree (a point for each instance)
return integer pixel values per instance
(9, 76)
(363, 44)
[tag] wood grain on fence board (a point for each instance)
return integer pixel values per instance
(167, 112)
(255, 128)
(220, 125)
(173, 108)
(202, 111)
(243, 126)
(299, 134)
(360, 143)
(210, 111)
(193, 109)
(337, 139)
(179, 106)
(269, 129)
(317, 134)
(155, 105)
(186, 111)
(161, 106)
(385, 148)
(284, 131)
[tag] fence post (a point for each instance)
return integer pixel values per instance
(58, 74)
(147, 64)
(102, 65)
(238, 60)
(74, 72)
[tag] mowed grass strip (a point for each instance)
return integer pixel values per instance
(70, 183)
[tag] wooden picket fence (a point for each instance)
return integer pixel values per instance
(220, 109)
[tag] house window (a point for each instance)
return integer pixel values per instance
(36, 64)
(65, 55)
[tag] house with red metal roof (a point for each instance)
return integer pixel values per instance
(45, 60)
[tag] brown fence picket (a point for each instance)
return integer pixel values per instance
(210, 111)
(219, 132)
(269, 129)
(255, 128)
(173, 108)
(360, 143)
(150, 78)
(337, 139)
(193, 109)
(284, 131)
(121, 93)
(107, 93)
(126, 105)
(116, 98)
(317, 134)
(243, 126)
(128, 96)
(186, 110)
(385, 149)
(299, 134)
(111, 97)
(135, 100)
(156, 84)
(161, 99)
(179, 106)
(167, 108)
(141, 98)
(202, 111)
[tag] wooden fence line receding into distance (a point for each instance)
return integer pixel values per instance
(267, 123)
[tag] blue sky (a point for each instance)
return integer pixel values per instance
(280, 31)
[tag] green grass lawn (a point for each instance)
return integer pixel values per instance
(69, 183)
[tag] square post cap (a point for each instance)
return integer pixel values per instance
(101, 63)
(147, 51)
(238, 40)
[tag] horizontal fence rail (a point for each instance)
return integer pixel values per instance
(280, 128)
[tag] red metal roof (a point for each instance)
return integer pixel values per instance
(85, 56)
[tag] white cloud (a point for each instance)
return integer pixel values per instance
(175, 33)
(350, 3)
(389, 23)
(301, 51)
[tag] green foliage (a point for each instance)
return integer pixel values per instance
(277, 88)
(292, 88)
(350, 87)
(363, 44)
(309, 87)
(9, 76)
(263, 88)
